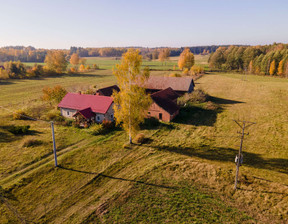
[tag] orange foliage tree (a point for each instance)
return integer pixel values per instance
(186, 59)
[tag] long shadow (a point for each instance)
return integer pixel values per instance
(6, 83)
(197, 116)
(228, 155)
(4, 137)
(154, 124)
(7, 194)
(117, 178)
(222, 100)
(9, 127)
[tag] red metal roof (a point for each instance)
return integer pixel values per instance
(87, 113)
(76, 101)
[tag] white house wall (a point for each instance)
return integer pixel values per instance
(65, 112)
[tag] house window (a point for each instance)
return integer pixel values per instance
(160, 116)
(149, 113)
(112, 116)
(98, 118)
(68, 113)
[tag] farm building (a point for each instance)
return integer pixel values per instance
(180, 85)
(164, 106)
(87, 108)
(107, 91)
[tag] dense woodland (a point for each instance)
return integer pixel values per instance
(261, 60)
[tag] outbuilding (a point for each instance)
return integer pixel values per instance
(164, 106)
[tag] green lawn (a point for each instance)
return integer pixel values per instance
(183, 173)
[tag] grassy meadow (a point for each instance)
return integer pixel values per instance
(110, 62)
(183, 173)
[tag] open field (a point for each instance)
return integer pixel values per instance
(110, 62)
(184, 172)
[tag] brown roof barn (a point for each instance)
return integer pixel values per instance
(164, 106)
(180, 85)
(107, 91)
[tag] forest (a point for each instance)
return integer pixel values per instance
(260, 60)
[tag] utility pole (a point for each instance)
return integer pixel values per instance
(54, 144)
(239, 157)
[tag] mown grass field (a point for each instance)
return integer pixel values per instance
(110, 62)
(184, 173)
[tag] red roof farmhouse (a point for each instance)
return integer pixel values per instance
(88, 107)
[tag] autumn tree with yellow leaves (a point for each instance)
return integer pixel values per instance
(56, 61)
(74, 60)
(272, 68)
(164, 55)
(132, 102)
(186, 59)
(280, 70)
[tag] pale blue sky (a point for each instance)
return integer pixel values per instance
(147, 23)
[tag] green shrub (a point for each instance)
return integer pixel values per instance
(18, 130)
(211, 106)
(197, 96)
(108, 124)
(32, 143)
(20, 115)
(54, 115)
(97, 129)
(68, 122)
(139, 138)
(151, 122)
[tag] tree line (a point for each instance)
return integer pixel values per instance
(31, 54)
(260, 60)
(23, 54)
(56, 62)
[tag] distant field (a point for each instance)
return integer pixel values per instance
(183, 173)
(110, 62)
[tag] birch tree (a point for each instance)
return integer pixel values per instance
(131, 103)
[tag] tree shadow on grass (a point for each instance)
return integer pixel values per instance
(117, 178)
(228, 155)
(6, 82)
(198, 116)
(218, 100)
(5, 137)
(154, 124)
(10, 127)
(201, 115)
